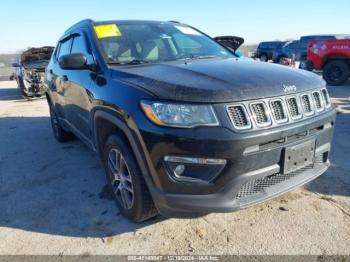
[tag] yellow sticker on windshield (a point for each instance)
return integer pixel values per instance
(110, 30)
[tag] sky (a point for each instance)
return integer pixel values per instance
(34, 23)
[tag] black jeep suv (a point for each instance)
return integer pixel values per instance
(183, 126)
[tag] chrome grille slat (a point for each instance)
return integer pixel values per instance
(326, 97)
(278, 110)
(260, 114)
(307, 105)
(239, 116)
(318, 101)
(293, 107)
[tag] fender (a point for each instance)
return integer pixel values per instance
(48, 97)
(136, 144)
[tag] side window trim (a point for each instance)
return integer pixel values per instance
(57, 51)
(87, 43)
(68, 38)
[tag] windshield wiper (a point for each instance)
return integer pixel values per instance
(203, 56)
(193, 57)
(131, 62)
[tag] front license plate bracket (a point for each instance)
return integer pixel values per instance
(298, 156)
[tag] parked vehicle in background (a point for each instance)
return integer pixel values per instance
(265, 50)
(332, 57)
(182, 125)
(301, 54)
(30, 69)
(287, 50)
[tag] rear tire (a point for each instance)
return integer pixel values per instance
(59, 133)
(336, 72)
(280, 59)
(126, 182)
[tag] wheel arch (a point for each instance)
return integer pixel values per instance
(330, 59)
(48, 98)
(107, 122)
(281, 56)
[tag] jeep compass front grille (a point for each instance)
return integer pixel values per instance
(275, 111)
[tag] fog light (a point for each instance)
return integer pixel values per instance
(191, 169)
(179, 170)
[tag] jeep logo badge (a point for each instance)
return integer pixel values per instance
(289, 88)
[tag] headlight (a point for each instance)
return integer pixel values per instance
(179, 115)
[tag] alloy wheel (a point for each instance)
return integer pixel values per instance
(121, 179)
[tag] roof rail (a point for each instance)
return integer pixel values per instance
(82, 22)
(176, 22)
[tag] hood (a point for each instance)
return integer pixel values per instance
(36, 58)
(233, 42)
(214, 81)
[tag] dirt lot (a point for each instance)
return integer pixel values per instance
(52, 201)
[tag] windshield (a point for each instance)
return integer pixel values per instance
(342, 37)
(158, 42)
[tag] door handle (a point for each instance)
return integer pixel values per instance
(65, 78)
(50, 71)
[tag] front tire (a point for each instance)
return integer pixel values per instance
(21, 87)
(281, 59)
(126, 182)
(336, 72)
(263, 58)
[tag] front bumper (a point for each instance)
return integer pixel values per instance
(230, 199)
(250, 177)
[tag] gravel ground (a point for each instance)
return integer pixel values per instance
(52, 200)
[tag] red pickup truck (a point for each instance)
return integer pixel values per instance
(332, 57)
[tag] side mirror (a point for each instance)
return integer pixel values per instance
(232, 42)
(12, 77)
(15, 65)
(73, 61)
